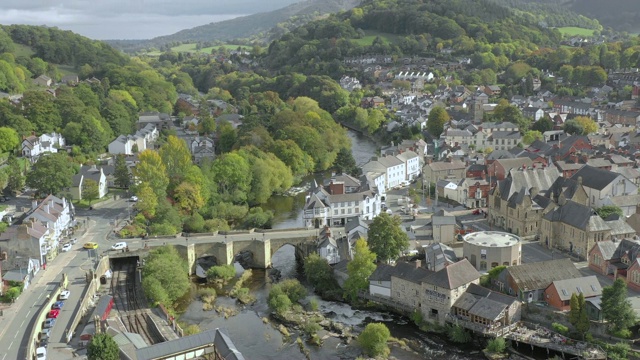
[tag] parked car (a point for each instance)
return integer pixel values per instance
(119, 246)
(90, 245)
(73, 241)
(44, 334)
(64, 295)
(57, 305)
(53, 314)
(41, 353)
(66, 247)
(48, 323)
(43, 343)
(133, 198)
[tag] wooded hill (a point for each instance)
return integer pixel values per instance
(620, 15)
(422, 28)
(262, 27)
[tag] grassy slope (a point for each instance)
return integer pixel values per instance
(371, 35)
(575, 31)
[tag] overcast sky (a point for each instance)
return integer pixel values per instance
(129, 19)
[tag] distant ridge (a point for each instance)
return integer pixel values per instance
(261, 26)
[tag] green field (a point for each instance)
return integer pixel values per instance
(371, 35)
(207, 50)
(575, 31)
(23, 50)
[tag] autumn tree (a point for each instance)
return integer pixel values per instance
(151, 170)
(147, 200)
(9, 139)
(436, 120)
(359, 269)
(386, 238)
(176, 158)
(588, 125)
(188, 198)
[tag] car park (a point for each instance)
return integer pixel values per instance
(41, 353)
(119, 246)
(48, 323)
(66, 247)
(57, 305)
(64, 295)
(53, 314)
(90, 245)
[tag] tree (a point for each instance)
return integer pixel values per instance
(151, 170)
(608, 210)
(578, 314)
(573, 127)
(103, 347)
(616, 308)
(177, 160)
(318, 272)
(359, 269)
(386, 238)
(436, 120)
(16, 179)
(90, 190)
(9, 139)
(165, 266)
(188, 198)
(345, 163)
(588, 125)
(373, 340)
(531, 136)
(542, 125)
(122, 177)
(50, 174)
(147, 200)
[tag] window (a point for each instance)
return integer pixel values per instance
(494, 264)
(483, 254)
(564, 292)
(483, 265)
(593, 287)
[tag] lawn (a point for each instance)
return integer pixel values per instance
(23, 50)
(371, 35)
(575, 31)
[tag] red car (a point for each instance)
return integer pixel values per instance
(53, 314)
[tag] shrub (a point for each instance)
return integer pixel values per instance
(223, 272)
(622, 333)
(313, 304)
(191, 329)
(557, 327)
(291, 288)
(416, 317)
(280, 303)
(373, 340)
(459, 335)
(194, 223)
(311, 328)
(497, 345)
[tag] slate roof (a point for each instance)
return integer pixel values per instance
(487, 309)
(539, 275)
(222, 342)
(354, 222)
(619, 227)
(589, 286)
(576, 215)
(382, 273)
(542, 178)
(483, 302)
(436, 254)
(595, 178)
(444, 165)
(409, 272)
(454, 275)
(613, 250)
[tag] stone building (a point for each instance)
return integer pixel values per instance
(486, 250)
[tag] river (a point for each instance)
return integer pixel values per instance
(259, 340)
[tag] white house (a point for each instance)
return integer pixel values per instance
(340, 199)
(129, 144)
(380, 281)
(328, 250)
(88, 172)
(34, 146)
(391, 166)
(412, 164)
(602, 185)
(56, 215)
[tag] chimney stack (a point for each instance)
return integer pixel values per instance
(418, 264)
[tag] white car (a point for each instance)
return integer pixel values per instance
(64, 295)
(133, 198)
(119, 246)
(41, 353)
(66, 247)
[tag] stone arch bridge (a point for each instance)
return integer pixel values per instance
(224, 247)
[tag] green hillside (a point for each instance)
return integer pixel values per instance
(575, 31)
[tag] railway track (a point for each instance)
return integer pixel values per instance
(130, 304)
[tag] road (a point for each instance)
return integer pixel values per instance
(19, 319)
